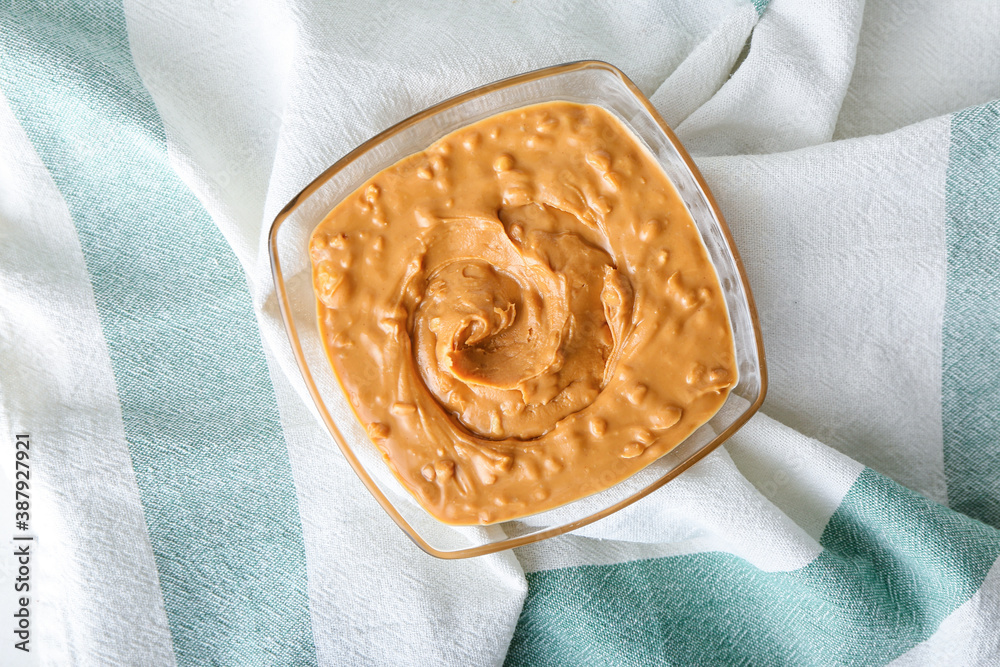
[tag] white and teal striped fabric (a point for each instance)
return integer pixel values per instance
(188, 508)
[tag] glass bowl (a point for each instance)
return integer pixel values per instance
(585, 82)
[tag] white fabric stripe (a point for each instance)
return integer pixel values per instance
(575, 551)
(853, 337)
(702, 73)
(788, 91)
(222, 122)
(919, 59)
(95, 589)
(968, 636)
(802, 476)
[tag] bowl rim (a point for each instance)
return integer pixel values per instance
(292, 333)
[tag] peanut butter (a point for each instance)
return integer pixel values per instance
(523, 314)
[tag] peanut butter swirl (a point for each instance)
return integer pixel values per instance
(522, 314)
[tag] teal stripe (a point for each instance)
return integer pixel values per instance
(894, 566)
(199, 411)
(760, 6)
(971, 357)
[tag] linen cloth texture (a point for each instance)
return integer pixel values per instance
(187, 505)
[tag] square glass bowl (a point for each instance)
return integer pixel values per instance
(586, 82)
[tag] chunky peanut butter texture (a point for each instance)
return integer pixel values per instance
(523, 314)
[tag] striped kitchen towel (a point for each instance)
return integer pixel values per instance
(180, 503)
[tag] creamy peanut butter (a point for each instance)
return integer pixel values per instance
(523, 314)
